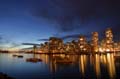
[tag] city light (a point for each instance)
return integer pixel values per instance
(101, 50)
(56, 45)
(107, 50)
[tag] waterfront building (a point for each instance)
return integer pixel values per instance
(109, 40)
(82, 44)
(55, 45)
(95, 47)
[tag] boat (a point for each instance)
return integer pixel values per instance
(34, 60)
(20, 56)
(15, 55)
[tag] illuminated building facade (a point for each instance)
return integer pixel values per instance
(95, 39)
(109, 40)
(82, 44)
(56, 45)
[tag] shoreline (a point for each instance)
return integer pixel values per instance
(5, 76)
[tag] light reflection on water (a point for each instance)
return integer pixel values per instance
(82, 66)
(111, 65)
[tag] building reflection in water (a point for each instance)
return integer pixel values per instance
(103, 59)
(48, 59)
(52, 65)
(97, 65)
(82, 64)
(45, 58)
(111, 65)
(107, 61)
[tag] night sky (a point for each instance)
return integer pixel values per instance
(33, 20)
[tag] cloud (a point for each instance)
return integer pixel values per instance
(3, 39)
(74, 36)
(30, 44)
(74, 14)
(116, 32)
(14, 45)
(6, 43)
(68, 37)
(43, 39)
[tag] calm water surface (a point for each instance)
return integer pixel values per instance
(82, 67)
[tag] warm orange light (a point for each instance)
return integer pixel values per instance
(81, 39)
(40, 51)
(107, 50)
(101, 50)
(81, 46)
(84, 49)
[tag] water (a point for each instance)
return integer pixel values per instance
(82, 67)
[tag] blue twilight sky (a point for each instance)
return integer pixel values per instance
(24, 21)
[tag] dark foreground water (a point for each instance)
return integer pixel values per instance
(82, 67)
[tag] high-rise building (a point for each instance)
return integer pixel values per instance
(95, 47)
(55, 44)
(82, 43)
(109, 40)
